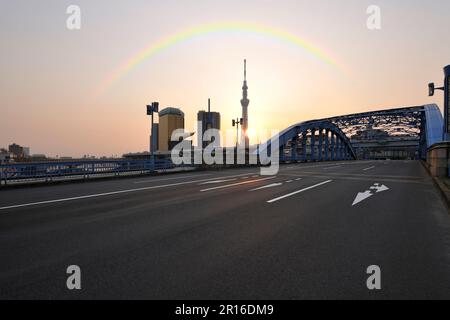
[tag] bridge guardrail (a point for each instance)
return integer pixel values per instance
(77, 169)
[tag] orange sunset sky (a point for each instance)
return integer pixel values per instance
(50, 76)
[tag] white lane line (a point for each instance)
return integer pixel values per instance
(217, 181)
(172, 178)
(215, 178)
(96, 195)
(301, 166)
(267, 186)
(370, 168)
(236, 184)
(256, 176)
(299, 191)
(289, 181)
(298, 179)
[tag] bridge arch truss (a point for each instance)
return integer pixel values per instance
(393, 133)
(318, 140)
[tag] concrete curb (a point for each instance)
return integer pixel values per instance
(444, 191)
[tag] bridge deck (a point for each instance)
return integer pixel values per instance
(230, 234)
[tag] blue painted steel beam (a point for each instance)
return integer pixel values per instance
(320, 146)
(304, 137)
(333, 150)
(294, 144)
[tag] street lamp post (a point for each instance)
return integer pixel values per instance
(151, 109)
(446, 89)
(236, 122)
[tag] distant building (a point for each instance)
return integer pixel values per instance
(26, 152)
(209, 120)
(170, 119)
(5, 156)
(370, 134)
(18, 151)
(38, 157)
(137, 155)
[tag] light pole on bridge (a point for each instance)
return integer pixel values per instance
(236, 124)
(151, 109)
(446, 89)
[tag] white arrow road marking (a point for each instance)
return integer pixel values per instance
(267, 186)
(379, 187)
(376, 188)
(361, 196)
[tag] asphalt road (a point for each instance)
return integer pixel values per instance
(231, 234)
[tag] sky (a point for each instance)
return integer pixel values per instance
(55, 96)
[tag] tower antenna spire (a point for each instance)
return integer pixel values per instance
(245, 69)
(244, 103)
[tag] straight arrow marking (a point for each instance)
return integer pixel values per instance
(361, 196)
(376, 188)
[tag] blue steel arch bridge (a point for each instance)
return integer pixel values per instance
(401, 133)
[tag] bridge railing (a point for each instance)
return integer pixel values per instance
(49, 171)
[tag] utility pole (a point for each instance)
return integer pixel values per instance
(236, 124)
(151, 109)
(446, 89)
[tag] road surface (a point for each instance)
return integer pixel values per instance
(231, 234)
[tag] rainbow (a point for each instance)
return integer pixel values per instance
(188, 34)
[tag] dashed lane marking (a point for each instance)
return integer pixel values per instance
(267, 186)
(299, 191)
(236, 184)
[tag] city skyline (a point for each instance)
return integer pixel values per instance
(55, 100)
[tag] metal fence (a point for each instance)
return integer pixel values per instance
(51, 171)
